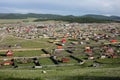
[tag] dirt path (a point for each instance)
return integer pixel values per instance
(21, 49)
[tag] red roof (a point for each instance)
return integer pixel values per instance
(113, 41)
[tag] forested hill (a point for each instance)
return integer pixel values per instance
(83, 19)
(29, 15)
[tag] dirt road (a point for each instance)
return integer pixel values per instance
(21, 49)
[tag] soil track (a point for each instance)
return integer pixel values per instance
(21, 49)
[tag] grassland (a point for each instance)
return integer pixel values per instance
(16, 20)
(36, 43)
(62, 73)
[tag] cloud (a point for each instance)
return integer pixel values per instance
(75, 7)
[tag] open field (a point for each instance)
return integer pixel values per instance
(62, 73)
(36, 43)
(2, 21)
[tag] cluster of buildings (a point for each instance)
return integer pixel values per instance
(84, 31)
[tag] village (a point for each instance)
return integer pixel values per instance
(68, 44)
(59, 40)
(57, 30)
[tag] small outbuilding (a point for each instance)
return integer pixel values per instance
(9, 53)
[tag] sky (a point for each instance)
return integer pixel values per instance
(62, 7)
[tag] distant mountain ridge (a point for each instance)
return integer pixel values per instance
(103, 17)
(29, 15)
(70, 18)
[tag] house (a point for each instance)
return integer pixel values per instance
(63, 40)
(65, 60)
(9, 53)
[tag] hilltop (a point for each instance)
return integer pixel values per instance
(90, 18)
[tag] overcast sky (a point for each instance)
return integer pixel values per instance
(63, 7)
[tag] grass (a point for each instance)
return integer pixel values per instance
(109, 61)
(62, 73)
(46, 61)
(28, 53)
(16, 20)
(37, 43)
(27, 64)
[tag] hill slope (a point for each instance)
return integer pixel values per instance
(70, 18)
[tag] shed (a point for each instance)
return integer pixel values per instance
(9, 53)
(113, 41)
(63, 40)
